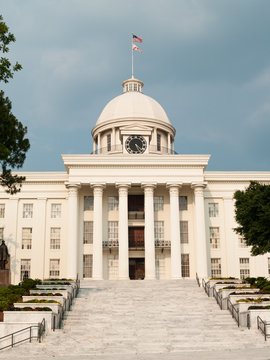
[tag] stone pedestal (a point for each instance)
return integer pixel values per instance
(4, 277)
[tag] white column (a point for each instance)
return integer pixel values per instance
(176, 271)
(200, 236)
(99, 144)
(72, 241)
(113, 139)
(169, 143)
(149, 235)
(97, 232)
(94, 145)
(123, 231)
(154, 138)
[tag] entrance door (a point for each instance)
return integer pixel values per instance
(136, 237)
(136, 268)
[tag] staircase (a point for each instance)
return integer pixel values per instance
(145, 319)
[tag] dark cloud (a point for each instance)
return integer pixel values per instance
(207, 62)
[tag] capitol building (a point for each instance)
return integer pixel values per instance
(132, 209)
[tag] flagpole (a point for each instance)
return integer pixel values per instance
(132, 59)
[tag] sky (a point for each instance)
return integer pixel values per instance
(207, 62)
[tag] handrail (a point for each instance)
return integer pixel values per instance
(218, 297)
(198, 280)
(261, 325)
(40, 332)
(233, 311)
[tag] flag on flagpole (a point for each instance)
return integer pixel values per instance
(136, 39)
(134, 47)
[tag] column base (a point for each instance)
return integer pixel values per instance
(97, 278)
(150, 278)
(123, 278)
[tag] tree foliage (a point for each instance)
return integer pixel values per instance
(13, 144)
(252, 213)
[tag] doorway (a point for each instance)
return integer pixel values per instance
(136, 268)
(136, 237)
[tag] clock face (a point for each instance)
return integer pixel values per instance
(136, 144)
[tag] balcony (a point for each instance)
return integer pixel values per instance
(162, 244)
(110, 244)
(136, 215)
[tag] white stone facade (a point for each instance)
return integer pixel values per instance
(131, 208)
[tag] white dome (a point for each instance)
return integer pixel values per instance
(132, 105)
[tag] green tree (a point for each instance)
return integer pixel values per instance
(13, 144)
(252, 213)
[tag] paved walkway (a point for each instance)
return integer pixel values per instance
(146, 320)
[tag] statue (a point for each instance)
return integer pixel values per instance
(3, 255)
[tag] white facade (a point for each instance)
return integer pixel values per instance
(131, 209)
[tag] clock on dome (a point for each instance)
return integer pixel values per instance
(136, 144)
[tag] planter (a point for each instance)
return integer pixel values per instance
(32, 317)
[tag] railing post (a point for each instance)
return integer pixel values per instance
(264, 323)
(30, 330)
(11, 340)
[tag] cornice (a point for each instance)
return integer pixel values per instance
(236, 177)
(135, 161)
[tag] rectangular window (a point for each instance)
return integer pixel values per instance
(55, 238)
(268, 266)
(244, 268)
(54, 268)
(214, 237)
(158, 203)
(1, 233)
(2, 210)
(27, 211)
(182, 202)
(88, 203)
(113, 203)
(87, 265)
(159, 230)
(56, 211)
(158, 142)
(113, 231)
(185, 265)
(88, 232)
(213, 209)
(109, 142)
(184, 232)
(25, 269)
(216, 267)
(27, 238)
(242, 242)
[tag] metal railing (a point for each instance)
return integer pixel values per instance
(207, 288)
(162, 243)
(111, 244)
(198, 280)
(218, 297)
(233, 311)
(136, 215)
(119, 148)
(30, 336)
(262, 325)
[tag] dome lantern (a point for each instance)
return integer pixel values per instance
(132, 85)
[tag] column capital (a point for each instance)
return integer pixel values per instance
(198, 187)
(72, 188)
(148, 185)
(97, 185)
(171, 185)
(74, 185)
(98, 188)
(123, 185)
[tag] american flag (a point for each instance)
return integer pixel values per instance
(134, 47)
(136, 38)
